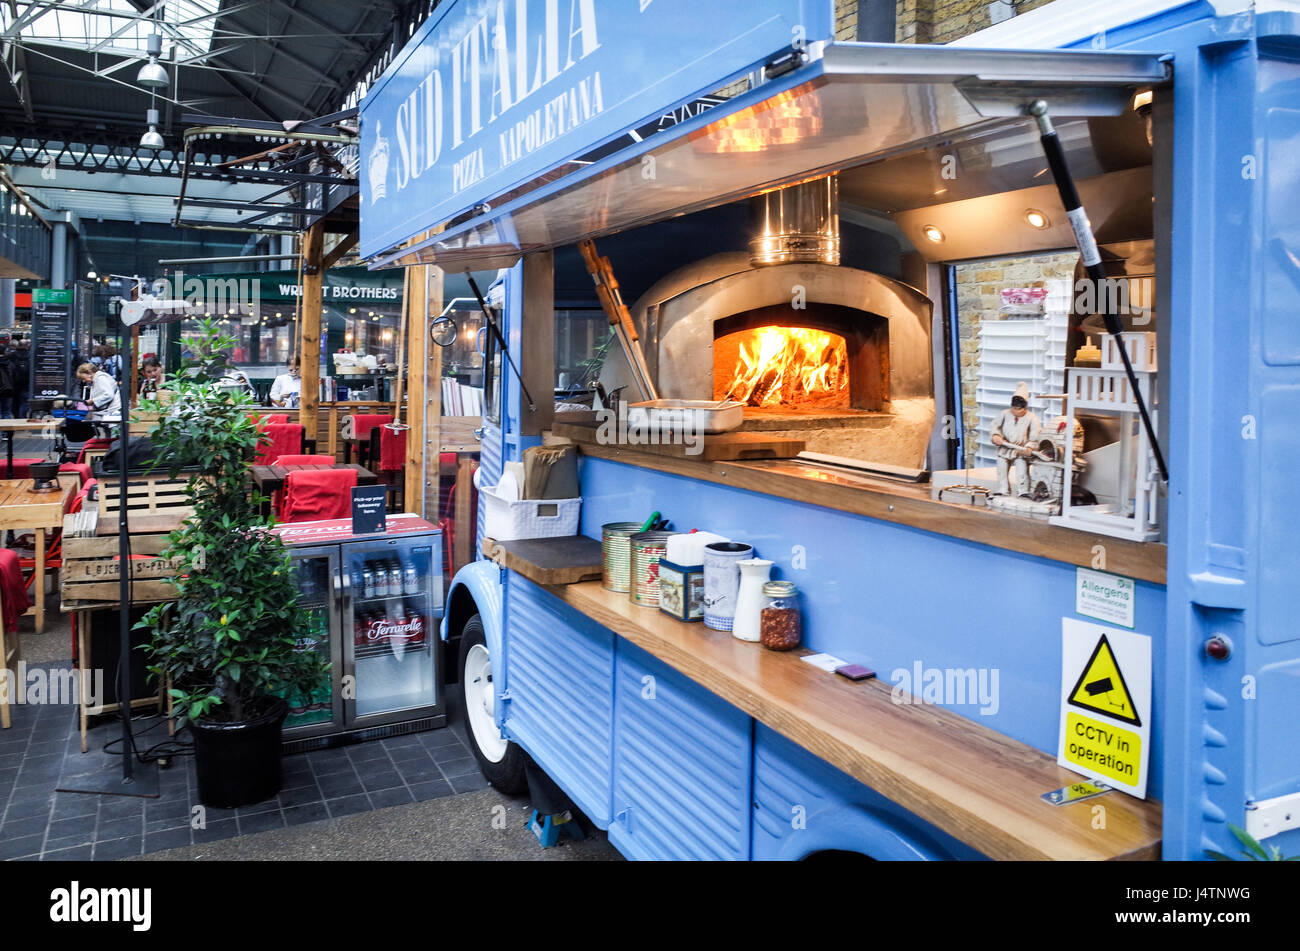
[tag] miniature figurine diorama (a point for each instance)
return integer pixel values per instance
(1016, 432)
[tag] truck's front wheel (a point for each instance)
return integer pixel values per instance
(501, 761)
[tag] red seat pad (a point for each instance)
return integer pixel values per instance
(305, 460)
(392, 450)
(281, 439)
(364, 422)
(311, 494)
(274, 419)
(19, 470)
(81, 468)
(13, 590)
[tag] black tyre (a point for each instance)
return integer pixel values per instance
(501, 761)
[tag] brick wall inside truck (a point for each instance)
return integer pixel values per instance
(979, 288)
(941, 21)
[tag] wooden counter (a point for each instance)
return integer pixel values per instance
(974, 783)
(909, 504)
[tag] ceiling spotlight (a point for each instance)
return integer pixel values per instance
(1037, 219)
(933, 233)
(152, 73)
(152, 139)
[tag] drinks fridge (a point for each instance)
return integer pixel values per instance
(374, 604)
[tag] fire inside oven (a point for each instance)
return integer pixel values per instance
(822, 359)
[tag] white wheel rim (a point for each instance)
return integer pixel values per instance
(480, 703)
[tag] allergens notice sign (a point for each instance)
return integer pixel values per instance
(51, 337)
(1105, 704)
(1104, 596)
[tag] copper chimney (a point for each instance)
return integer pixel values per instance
(798, 224)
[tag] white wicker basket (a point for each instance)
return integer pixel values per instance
(529, 518)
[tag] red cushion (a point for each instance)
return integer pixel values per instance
(305, 460)
(13, 590)
(362, 423)
(19, 470)
(274, 419)
(81, 468)
(282, 439)
(392, 450)
(95, 442)
(311, 494)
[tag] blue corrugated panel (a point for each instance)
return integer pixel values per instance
(491, 464)
(803, 805)
(559, 675)
(681, 766)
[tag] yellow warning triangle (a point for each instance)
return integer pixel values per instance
(1101, 686)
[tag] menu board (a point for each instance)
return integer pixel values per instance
(51, 338)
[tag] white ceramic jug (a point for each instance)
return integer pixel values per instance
(754, 573)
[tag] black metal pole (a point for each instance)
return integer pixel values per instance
(124, 584)
(1087, 244)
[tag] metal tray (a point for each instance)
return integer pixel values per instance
(708, 416)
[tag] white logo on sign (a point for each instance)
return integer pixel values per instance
(378, 167)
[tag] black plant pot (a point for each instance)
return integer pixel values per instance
(238, 764)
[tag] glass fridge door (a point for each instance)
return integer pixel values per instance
(316, 571)
(396, 599)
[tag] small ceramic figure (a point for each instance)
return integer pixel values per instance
(1016, 431)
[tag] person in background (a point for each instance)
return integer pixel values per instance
(112, 362)
(8, 390)
(21, 374)
(105, 399)
(151, 377)
(287, 387)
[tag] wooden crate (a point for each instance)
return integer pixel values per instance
(92, 569)
(154, 493)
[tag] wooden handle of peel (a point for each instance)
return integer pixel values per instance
(602, 272)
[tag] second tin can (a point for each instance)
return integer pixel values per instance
(647, 549)
(616, 554)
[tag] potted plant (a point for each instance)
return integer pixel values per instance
(233, 645)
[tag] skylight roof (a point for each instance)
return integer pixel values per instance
(113, 27)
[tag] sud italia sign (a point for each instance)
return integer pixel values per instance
(491, 93)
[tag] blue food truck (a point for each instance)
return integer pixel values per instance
(1101, 662)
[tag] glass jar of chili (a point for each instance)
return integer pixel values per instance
(780, 628)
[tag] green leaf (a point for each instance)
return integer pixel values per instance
(1255, 850)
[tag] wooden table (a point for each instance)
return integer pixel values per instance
(11, 426)
(21, 506)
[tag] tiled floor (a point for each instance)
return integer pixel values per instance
(42, 751)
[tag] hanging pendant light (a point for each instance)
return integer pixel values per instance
(153, 73)
(152, 139)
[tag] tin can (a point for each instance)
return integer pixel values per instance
(647, 549)
(411, 581)
(616, 554)
(367, 583)
(722, 582)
